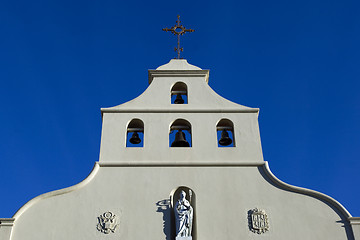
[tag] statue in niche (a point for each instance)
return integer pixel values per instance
(183, 216)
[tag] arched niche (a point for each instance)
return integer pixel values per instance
(135, 133)
(225, 133)
(179, 93)
(190, 196)
(180, 133)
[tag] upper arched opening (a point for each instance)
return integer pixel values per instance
(135, 133)
(225, 133)
(179, 93)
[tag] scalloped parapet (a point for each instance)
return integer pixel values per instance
(138, 195)
(200, 96)
(235, 189)
(178, 64)
(204, 109)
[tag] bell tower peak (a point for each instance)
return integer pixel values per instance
(180, 120)
(178, 64)
(178, 68)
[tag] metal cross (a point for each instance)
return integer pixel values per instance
(178, 30)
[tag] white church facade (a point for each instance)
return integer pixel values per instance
(180, 162)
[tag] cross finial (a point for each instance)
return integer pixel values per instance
(178, 30)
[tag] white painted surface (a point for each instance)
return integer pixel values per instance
(178, 64)
(6, 225)
(134, 183)
(183, 238)
(355, 224)
(132, 193)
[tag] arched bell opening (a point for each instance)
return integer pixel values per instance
(135, 133)
(179, 93)
(225, 133)
(180, 134)
(183, 200)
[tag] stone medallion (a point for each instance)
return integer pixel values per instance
(258, 221)
(108, 222)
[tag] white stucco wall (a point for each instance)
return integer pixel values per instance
(228, 182)
(204, 139)
(204, 109)
(223, 197)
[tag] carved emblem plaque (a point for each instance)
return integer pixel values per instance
(258, 221)
(108, 222)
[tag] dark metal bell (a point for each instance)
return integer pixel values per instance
(178, 99)
(135, 138)
(180, 140)
(225, 139)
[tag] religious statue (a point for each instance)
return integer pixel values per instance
(183, 216)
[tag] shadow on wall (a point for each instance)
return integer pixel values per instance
(283, 186)
(164, 207)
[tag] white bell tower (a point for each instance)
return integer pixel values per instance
(202, 115)
(180, 162)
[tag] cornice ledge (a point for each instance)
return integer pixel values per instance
(58, 192)
(178, 73)
(354, 220)
(305, 191)
(123, 110)
(180, 164)
(6, 222)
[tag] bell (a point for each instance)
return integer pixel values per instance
(180, 140)
(225, 140)
(135, 138)
(178, 99)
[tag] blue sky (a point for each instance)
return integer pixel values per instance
(61, 61)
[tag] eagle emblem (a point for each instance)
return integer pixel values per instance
(108, 222)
